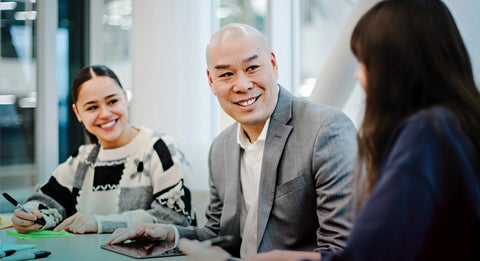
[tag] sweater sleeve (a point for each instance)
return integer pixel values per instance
(172, 199)
(399, 209)
(56, 198)
(423, 203)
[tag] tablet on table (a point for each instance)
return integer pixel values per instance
(142, 249)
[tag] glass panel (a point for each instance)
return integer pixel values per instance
(252, 12)
(320, 25)
(17, 95)
(115, 39)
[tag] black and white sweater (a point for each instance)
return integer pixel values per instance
(140, 182)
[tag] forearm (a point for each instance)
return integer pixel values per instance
(334, 161)
(109, 223)
(167, 215)
(335, 216)
(51, 211)
(197, 233)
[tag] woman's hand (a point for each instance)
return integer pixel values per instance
(25, 222)
(79, 224)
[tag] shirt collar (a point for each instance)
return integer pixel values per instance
(242, 138)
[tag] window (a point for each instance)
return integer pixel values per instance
(321, 23)
(17, 95)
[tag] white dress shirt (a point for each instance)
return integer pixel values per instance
(250, 169)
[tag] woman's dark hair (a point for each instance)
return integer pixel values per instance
(415, 59)
(86, 74)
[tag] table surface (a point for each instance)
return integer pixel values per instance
(77, 247)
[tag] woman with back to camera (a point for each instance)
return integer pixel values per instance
(419, 142)
(420, 137)
(126, 175)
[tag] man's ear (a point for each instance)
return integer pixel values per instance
(74, 108)
(210, 83)
(273, 60)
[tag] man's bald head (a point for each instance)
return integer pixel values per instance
(235, 31)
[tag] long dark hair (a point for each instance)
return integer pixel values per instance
(85, 74)
(415, 59)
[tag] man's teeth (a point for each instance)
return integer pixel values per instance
(108, 124)
(246, 103)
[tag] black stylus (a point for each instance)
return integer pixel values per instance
(14, 202)
(27, 255)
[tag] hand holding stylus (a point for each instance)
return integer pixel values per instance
(23, 220)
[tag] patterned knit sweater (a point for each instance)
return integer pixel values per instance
(141, 182)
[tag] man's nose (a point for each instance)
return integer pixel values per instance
(243, 82)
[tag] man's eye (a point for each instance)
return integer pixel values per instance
(253, 68)
(227, 74)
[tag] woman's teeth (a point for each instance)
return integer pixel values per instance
(108, 124)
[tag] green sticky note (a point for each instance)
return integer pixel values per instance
(40, 234)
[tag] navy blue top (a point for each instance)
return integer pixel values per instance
(426, 203)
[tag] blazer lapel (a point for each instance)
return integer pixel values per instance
(277, 136)
(233, 198)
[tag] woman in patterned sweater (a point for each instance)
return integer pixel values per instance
(126, 175)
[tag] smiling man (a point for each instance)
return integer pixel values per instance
(281, 175)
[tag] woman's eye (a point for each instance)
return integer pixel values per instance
(91, 108)
(113, 101)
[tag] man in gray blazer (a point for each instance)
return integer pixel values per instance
(281, 175)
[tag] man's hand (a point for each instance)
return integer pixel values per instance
(199, 252)
(285, 255)
(79, 224)
(144, 232)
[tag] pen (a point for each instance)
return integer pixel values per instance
(26, 256)
(40, 221)
(220, 241)
(6, 252)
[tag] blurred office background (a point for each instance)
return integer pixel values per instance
(157, 49)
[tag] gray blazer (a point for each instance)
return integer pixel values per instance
(306, 183)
